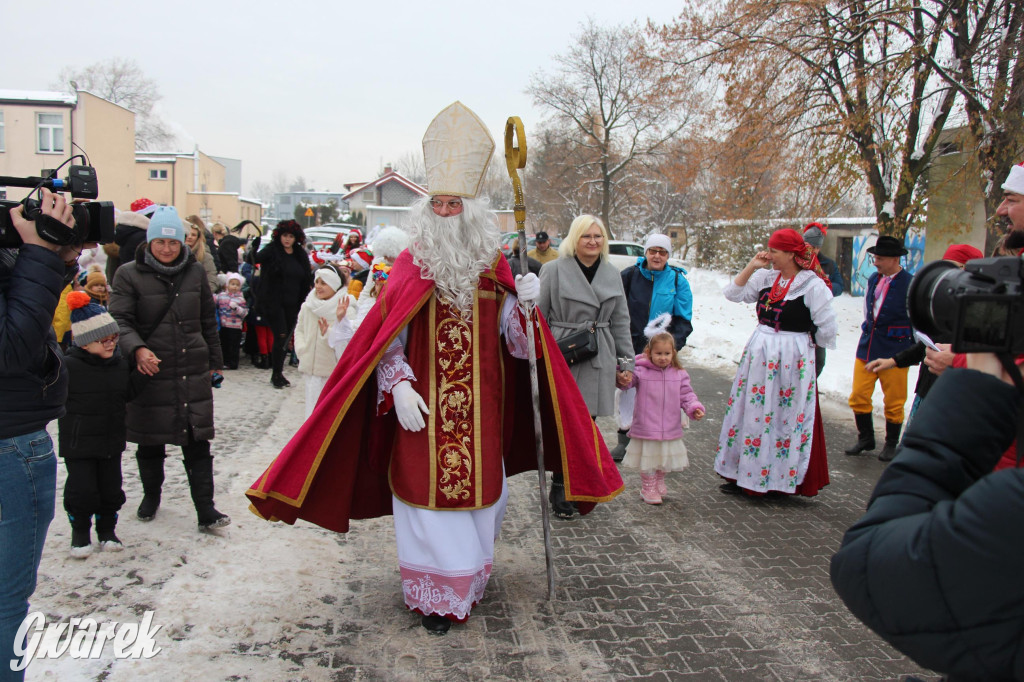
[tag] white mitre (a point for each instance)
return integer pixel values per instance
(1015, 180)
(456, 150)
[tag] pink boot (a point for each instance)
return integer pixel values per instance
(659, 477)
(649, 489)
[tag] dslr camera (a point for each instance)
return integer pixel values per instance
(979, 309)
(94, 220)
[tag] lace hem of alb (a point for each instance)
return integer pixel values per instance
(392, 369)
(435, 592)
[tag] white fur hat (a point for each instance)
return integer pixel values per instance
(390, 242)
(1015, 180)
(456, 150)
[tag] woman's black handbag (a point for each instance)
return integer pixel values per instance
(579, 346)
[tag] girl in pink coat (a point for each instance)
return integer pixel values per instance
(656, 437)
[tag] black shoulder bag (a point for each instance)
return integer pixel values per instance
(579, 346)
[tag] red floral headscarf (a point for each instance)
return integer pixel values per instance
(791, 241)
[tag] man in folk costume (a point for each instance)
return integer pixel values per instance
(885, 332)
(430, 407)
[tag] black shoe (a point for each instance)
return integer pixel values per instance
(560, 507)
(731, 488)
(436, 625)
(294, 361)
(81, 543)
(279, 381)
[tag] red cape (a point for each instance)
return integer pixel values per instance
(335, 468)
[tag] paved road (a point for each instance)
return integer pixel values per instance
(705, 587)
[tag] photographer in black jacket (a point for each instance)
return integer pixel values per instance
(935, 566)
(33, 388)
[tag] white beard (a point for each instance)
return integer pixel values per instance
(454, 251)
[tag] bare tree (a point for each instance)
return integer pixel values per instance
(988, 74)
(856, 80)
(618, 107)
(261, 190)
(410, 165)
(121, 81)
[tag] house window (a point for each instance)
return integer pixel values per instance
(673, 234)
(369, 195)
(51, 133)
(155, 174)
(285, 200)
(3, 148)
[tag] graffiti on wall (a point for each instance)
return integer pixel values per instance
(863, 267)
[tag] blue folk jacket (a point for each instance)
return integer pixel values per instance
(890, 333)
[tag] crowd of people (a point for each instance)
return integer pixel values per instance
(415, 348)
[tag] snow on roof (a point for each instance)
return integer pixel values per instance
(38, 96)
(392, 176)
(153, 159)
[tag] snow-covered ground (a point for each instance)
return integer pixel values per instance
(235, 606)
(721, 329)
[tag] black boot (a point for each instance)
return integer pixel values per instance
(435, 624)
(560, 507)
(892, 440)
(151, 471)
(866, 432)
(200, 483)
(619, 451)
(81, 536)
(105, 524)
(262, 361)
(278, 380)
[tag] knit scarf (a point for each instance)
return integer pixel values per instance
(172, 269)
(323, 307)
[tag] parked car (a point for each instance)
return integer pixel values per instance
(531, 241)
(624, 254)
(329, 231)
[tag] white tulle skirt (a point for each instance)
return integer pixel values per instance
(655, 455)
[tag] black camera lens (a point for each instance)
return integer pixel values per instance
(930, 301)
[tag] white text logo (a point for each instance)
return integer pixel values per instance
(82, 638)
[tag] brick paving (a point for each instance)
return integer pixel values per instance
(704, 587)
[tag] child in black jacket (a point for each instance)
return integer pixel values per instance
(92, 432)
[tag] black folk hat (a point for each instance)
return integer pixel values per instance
(888, 247)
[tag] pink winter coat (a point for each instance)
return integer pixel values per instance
(660, 394)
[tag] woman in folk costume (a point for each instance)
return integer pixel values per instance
(430, 407)
(772, 439)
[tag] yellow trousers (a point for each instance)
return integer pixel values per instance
(894, 390)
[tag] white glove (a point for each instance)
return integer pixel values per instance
(408, 405)
(528, 287)
(234, 305)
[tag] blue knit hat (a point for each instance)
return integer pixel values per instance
(89, 321)
(165, 224)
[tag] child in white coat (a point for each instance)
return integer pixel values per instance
(316, 357)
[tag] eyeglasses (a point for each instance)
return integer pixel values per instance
(592, 238)
(453, 205)
(110, 340)
(657, 252)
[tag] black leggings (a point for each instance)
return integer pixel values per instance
(282, 323)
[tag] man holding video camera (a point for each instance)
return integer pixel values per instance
(33, 390)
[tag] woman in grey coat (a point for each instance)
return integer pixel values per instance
(164, 307)
(580, 290)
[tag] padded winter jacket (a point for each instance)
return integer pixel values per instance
(32, 371)
(934, 565)
(180, 395)
(659, 396)
(94, 425)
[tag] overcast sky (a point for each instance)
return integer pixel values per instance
(326, 90)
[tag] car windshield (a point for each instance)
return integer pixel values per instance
(634, 250)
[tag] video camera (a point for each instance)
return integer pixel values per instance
(979, 309)
(94, 220)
